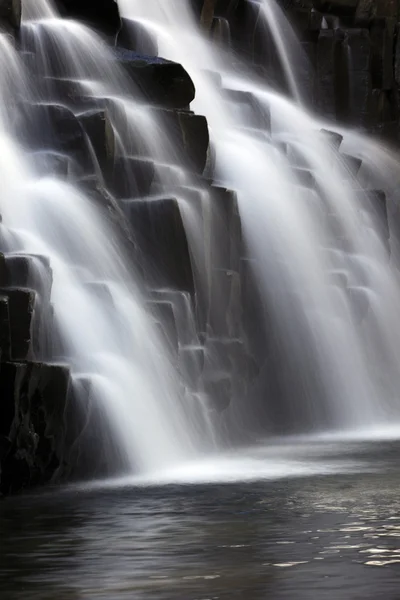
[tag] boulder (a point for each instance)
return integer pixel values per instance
(159, 81)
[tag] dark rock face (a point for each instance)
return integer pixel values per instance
(33, 402)
(10, 14)
(160, 234)
(100, 14)
(339, 7)
(161, 82)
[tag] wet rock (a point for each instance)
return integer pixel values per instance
(365, 10)
(220, 31)
(191, 365)
(55, 127)
(225, 305)
(219, 391)
(253, 322)
(375, 204)
(397, 56)
(359, 44)
(185, 138)
(330, 72)
(207, 13)
(32, 422)
(195, 140)
(258, 116)
(99, 14)
(360, 97)
(10, 14)
(57, 163)
(32, 272)
(383, 43)
(333, 138)
(134, 36)
(98, 128)
(352, 164)
(337, 7)
(161, 237)
(163, 313)
(304, 177)
(70, 93)
(161, 82)
(5, 335)
(225, 229)
(130, 177)
(21, 310)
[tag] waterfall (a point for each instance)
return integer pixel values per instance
(214, 267)
(109, 335)
(318, 248)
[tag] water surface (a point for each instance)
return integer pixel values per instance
(333, 535)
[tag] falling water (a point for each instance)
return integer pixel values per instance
(318, 252)
(320, 256)
(108, 336)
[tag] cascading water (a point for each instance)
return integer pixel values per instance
(314, 248)
(320, 257)
(108, 336)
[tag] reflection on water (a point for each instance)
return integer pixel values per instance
(325, 537)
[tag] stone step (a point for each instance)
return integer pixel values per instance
(160, 235)
(258, 115)
(28, 271)
(55, 163)
(333, 138)
(130, 177)
(160, 82)
(191, 365)
(162, 312)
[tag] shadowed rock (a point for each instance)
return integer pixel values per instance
(100, 14)
(161, 82)
(21, 309)
(32, 428)
(10, 14)
(5, 335)
(337, 7)
(130, 177)
(161, 237)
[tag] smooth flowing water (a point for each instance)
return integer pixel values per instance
(109, 337)
(308, 222)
